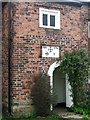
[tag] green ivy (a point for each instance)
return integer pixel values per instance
(75, 65)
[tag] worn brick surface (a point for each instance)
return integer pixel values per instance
(0, 59)
(5, 59)
(28, 37)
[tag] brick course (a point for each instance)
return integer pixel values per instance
(0, 59)
(5, 59)
(28, 37)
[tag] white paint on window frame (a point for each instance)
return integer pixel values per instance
(49, 12)
(89, 29)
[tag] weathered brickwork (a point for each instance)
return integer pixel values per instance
(5, 59)
(28, 37)
(0, 59)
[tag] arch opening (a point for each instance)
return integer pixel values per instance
(60, 85)
(59, 88)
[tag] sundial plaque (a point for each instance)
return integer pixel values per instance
(50, 51)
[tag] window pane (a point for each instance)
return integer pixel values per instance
(45, 19)
(52, 20)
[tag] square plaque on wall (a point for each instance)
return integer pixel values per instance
(50, 51)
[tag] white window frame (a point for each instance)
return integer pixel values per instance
(89, 29)
(49, 12)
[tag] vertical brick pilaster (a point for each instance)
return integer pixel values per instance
(5, 59)
(0, 59)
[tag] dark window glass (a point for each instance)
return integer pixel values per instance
(52, 20)
(45, 19)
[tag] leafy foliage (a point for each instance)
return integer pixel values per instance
(75, 65)
(50, 117)
(82, 111)
(41, 95)
(86, 102)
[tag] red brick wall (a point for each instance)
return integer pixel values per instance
(0, 58)
(5, 59)
(27, 38)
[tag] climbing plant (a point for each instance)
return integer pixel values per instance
(75, 65)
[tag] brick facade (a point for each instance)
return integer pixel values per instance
(26, 41)
(5, 59)
(0, 59)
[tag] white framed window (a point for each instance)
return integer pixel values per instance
(49, 18)
(88, 29)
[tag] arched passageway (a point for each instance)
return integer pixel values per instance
(59, 87)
